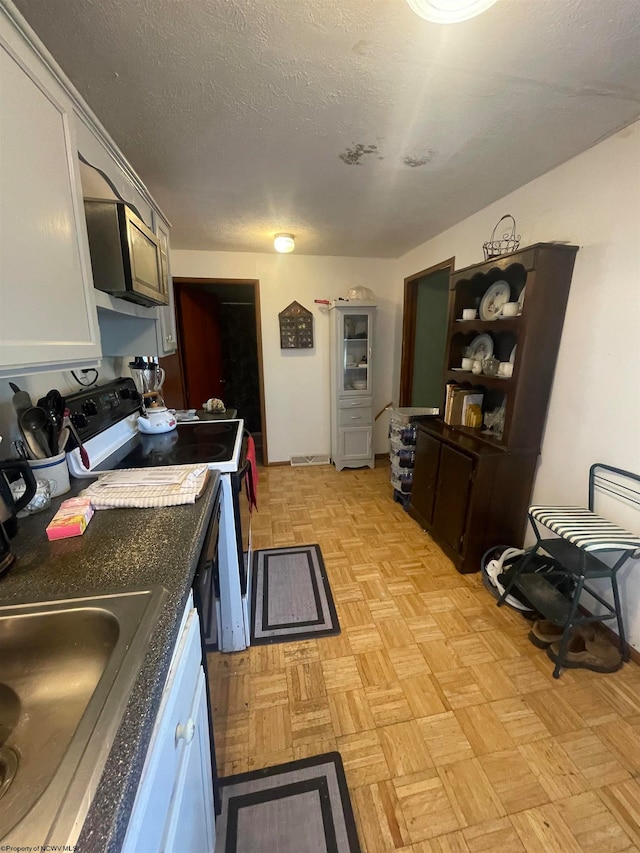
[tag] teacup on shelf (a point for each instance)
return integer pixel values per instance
(490, 366)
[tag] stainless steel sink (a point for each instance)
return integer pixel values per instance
(67, 668)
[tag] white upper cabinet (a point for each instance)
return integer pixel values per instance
(51, 317)
(166, 328)
(47, 311)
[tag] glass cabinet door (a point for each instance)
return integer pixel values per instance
(356, 352)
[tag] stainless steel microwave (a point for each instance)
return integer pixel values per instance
(125, 254)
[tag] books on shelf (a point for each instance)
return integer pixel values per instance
(472, 410)
(463, 406)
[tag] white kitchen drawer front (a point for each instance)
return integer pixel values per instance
(355, 417)
(156, 789)
(356, 403)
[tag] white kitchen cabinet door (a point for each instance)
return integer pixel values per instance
(47, 312)
(192, 822)
(179, 757)
(166, 328)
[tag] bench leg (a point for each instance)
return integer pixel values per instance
(624, 648)
(568, 627)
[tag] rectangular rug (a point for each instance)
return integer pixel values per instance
(290, 596)
(299, 807)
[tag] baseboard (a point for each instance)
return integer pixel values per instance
(613, 638)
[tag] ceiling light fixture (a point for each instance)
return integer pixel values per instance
(284, 243)
(449, 11)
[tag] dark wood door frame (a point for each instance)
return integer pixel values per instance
(256, 290)
(409, 326)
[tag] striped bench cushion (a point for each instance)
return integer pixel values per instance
(584, 528)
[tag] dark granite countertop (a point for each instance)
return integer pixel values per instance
(121, 549)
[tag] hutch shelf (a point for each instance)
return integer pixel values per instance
(472, 487)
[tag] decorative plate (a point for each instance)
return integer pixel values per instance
(512, 357)
(493, 300)
(521, 300)
(480, 347)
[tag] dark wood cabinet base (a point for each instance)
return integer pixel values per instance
(469, 496)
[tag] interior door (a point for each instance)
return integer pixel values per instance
(201, 346)
(426, 308)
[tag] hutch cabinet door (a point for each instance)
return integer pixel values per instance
(454, 481)
(425, 476)
(355, 340)
(355, 442)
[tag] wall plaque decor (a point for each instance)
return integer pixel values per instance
(296, 327)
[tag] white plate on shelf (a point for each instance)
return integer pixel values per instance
(480, 347)
(512, 357)
(493, 300)
(460, 370)
(521, 300)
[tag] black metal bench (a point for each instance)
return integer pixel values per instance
(581, 539)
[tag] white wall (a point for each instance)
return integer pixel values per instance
(297, 381)
(593, 201)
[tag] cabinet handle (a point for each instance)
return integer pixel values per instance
(186, 732)
(355, 417)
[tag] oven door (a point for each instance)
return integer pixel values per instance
(242, 516)
(206, 582)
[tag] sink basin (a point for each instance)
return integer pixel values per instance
(67, 668)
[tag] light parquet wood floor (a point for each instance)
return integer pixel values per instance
(454, 735)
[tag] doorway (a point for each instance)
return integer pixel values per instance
(424, 332)
(219, 350)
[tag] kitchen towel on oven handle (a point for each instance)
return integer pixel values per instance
(252, 472)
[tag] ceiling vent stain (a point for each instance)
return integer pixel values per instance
(353, 156)
(362, 47)
(416, 162)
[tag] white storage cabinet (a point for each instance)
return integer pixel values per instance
(173, 811)
(352, 355)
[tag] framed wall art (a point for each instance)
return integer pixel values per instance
(296, 327)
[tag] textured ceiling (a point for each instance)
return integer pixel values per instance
(355, 125)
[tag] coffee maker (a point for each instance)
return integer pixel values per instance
(9, 507)
(149, 377)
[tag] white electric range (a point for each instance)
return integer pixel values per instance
(105, 417)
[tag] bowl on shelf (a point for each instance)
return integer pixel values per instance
(360, 384)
